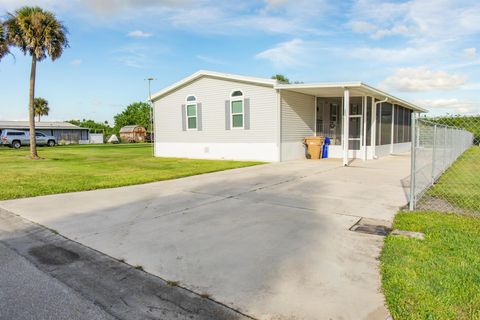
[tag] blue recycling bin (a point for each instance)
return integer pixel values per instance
(326, 143)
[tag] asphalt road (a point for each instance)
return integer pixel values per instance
(28, 293)
(46, 276)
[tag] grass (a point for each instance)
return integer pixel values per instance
(87, 167)
(460, 184)
(435, 278)
(172, 283)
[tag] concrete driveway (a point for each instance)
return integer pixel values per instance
(271, 241)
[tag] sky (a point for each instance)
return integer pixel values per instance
(427, 52)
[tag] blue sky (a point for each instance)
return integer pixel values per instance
(424, 51)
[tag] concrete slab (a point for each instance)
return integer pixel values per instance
(272, 241)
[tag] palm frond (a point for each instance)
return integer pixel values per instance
(3, 42)
(36, 32)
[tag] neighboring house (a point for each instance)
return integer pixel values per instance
(223, 116)
(64, 132)
(133, 134)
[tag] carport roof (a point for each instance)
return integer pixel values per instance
(57, 125)
(337, 89)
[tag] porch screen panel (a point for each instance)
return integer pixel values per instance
(396, 112)
(402, 129)
(386, 124)
(378, 124)
(369, 121)
(329, 119)
(408, 125)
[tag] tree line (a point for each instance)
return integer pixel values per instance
(137, 113)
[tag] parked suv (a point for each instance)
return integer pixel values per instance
(16, 139)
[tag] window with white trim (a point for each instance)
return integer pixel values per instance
(237, 110)
(191, 113)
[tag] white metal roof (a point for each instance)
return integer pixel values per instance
(356, 88)
(39, 125)
(332, 89)
(213, 74)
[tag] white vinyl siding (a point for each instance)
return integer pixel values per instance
(297, 122)
(213, 93)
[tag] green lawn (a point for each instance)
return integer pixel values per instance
(87, 167)
(439, 277)
(460, 184)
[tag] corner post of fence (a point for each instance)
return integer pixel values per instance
(411, 204)
(434, 150)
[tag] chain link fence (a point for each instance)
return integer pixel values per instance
(446, 165)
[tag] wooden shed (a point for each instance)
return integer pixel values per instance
(133, 134)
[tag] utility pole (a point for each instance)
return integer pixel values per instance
(152, 131)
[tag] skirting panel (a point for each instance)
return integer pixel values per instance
(267, 152)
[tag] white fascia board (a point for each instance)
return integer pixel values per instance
(395, 99)
(203, 73)
(318, 85)
(351, 85)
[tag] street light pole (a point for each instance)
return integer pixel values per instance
(152, 131)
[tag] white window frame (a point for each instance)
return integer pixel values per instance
(235, 99)
(191, 103)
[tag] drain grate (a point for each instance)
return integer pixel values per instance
(371, 226)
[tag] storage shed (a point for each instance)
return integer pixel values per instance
(133, 134)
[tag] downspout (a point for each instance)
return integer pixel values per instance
(374, 129)
(279, 123)
(346, 119)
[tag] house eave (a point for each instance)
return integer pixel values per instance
(216, 75)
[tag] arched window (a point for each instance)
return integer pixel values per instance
(191, 113)
(237, 109)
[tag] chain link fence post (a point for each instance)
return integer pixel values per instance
(434, 150)
(412, 165)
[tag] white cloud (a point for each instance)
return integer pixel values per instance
(396, 30)
(209, 60)
(76, 62)
(422, 79)
(422, 21)
(286, 54)
(107, 7)
(362, 26)
(133, 56)
(449, 105)
(139, 34)
(203, 16)
(470, 52)
(402, 54)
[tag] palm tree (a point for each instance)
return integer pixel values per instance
(40, 107)
(3, 42)
(38, 33)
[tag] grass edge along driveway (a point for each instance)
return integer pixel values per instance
(435, 278)
(89, 167)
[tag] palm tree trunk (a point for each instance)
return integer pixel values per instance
(31, 111)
